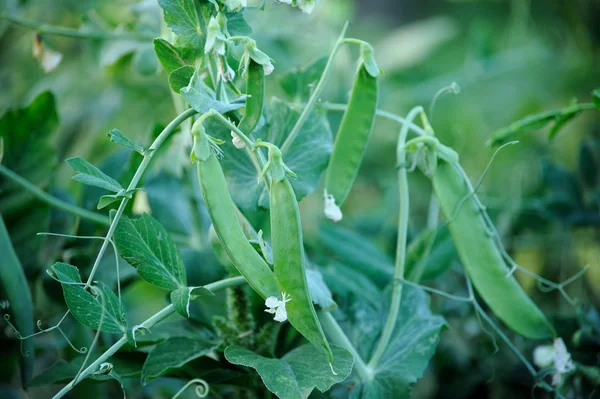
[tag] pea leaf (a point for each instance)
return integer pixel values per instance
(186, 19)
(345, 281)
(14, 284)
(92, 176)
(200, 97)
(237, 25)
(172, 354)
(307, 156)
(296, 374)
(116, 136)
(180, 77)
(147, 246)
(103, 312)
(319, 292)
(596, 94)
(182, 297)
(172, 57)
(299, 82)
(412, 345)
(179, 328)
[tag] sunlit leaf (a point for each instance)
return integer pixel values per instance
(172, 57)
(186, 19)
(116, 136)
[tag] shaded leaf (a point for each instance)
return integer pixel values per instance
(200, 97)
(148, 247)
(319, 291)
(186, 19)
(180, 77)
(92, 176)
(237, 25)
(88, 309)
(299, 82)
(172, 57)
(116, 136)
(182, 297)
(172, 354)
(296, 374)
(344, 281)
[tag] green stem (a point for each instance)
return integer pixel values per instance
(384, 114)
(312, 101)
(390, 323)
(336, 334)
(149, 323)
(75, 33)
(134, 182)
(53, 201)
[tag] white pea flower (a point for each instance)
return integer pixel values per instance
(48, 59)
(235, 5)
(332, 211)
(562, 361)
(252, 52)
(277, 307)
(239, 144)
(306, 5)
(215, 39)
(543, 356)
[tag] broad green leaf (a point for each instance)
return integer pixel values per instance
(170, 204)
(307, 156)
(296, 374)
(181, 298)
(200, 97)
(237, 25)
(412, 345)
(15, 287)
(319, 292)
(92, 176)
(172, 354)
(147, 246)
(346, 281)
(358, 252)
(180, 77)
(104, 312)
(596, 95)
(186, 19)
(116, 136)
(172, 57)
(299, 82)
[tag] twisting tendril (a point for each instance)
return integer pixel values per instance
(201, 389)
(453, 88)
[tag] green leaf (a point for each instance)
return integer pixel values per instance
(147, 246)
(560, 123)
(172, 57)
(307, 156)
(412, 345)
(92, 176)
(344, 281)
(319, 292)
(180, 328)
(116, 136)
(200, 97)
(108, 199)
(103, 312)
(15, 287)
(186, 19)
(296, 374)
(237, 25)
(299, 82)
(172, 354)
(180, 77)
(596, 94)
(106, 372)
(182, 297)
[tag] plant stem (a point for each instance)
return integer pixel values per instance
(390, 323)
(384, 114)
(75, 33)
(149, 323)
(53, 201)
(316, 93)
(336, 334)
(136, 178)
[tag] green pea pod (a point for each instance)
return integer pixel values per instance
(255, 90)
(223, 215)
(482, 258)
(288, 257)
(352, 138)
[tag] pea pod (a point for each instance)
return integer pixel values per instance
(351, 141)
(482, 258)
(255, 90)
(288, 253)
(223, 215)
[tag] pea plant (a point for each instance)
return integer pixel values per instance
(277, 323)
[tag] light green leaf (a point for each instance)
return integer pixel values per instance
(299, 82)
(147, 246)
(296, 374)
(180, 77)
(319, 292)
(16, 289)
(172, 57)
(92, 176)
(237, 25)
(187, 21)
(88, 309)
(182, 297)
(307, 156)
(200, 97)
(108, 199)
(412, 345)
(116, 136)
(172, 354)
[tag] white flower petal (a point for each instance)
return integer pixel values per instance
(332, 211)
(281, 314)
(272, 302)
